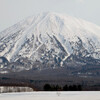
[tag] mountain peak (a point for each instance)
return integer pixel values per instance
(50, 38)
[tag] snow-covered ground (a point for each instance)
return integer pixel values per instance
(51, 96)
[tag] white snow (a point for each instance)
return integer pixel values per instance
(12, 89)
(3, 72)
(51, 96)
(65, 28)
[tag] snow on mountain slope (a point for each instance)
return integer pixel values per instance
(50, 38)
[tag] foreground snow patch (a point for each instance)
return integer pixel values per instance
(7, 89)
(51, 96)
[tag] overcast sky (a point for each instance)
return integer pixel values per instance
(12, 11)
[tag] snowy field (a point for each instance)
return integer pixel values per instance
(51, 96)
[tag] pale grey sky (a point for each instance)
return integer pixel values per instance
(12, 11)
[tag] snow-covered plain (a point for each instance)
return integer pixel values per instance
(52, 96)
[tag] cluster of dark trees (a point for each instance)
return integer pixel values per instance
(72, 88)
(48, 87)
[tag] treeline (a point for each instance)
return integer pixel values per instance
(48, 87)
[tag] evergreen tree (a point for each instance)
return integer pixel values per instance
(47, 87)
(65, 88)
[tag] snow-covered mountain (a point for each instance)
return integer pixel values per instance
(49, 40)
